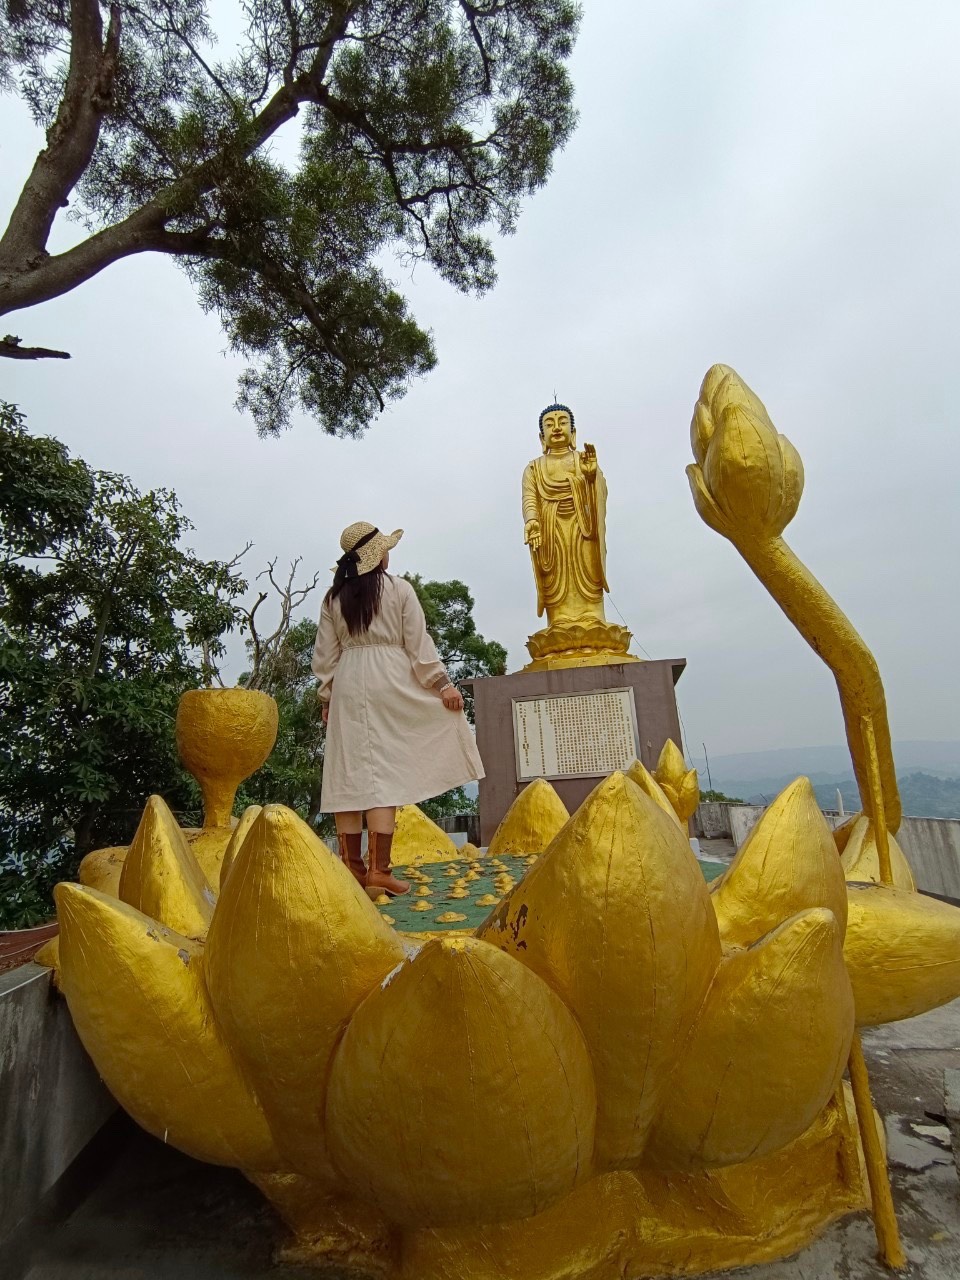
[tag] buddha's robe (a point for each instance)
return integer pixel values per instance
(570, 563)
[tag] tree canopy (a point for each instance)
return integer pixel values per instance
(420, 125)
(104, 617)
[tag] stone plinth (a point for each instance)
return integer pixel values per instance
(657, 719)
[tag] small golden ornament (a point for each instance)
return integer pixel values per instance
(458, 893)
(387, 919)
(488, 900)
(422, 906)
(383, 900)
(450, 917)
(424, 892)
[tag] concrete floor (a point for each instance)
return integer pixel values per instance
(150, 1213)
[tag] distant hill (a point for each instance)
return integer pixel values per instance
(765, 770)
(923, 795)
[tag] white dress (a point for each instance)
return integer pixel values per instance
(390, 740)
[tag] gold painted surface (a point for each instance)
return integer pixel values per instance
(418, 840)
(861, 863)
(777, 1024)
(646, 1223)
(615, 915)
(462, 1091)
(902, 951)
(788, 863)
(237, 837)
(648, 784)
(162, 878)
(224, 735)
(294, 947)
(102, 869)
(564, 499)
(440, 1081)
(746, 483)
(678, 783)
(531, 822)
(139, 1002)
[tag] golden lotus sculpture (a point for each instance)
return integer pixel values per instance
(616, 1067)
(621, 1072)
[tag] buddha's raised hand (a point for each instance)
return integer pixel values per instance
(588, 462)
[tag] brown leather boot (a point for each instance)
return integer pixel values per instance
(350, 844)
(380, 877)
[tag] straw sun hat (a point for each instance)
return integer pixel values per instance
(364, 546)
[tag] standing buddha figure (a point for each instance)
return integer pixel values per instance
(564, 513)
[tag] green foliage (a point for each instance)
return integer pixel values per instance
(422, 126)
(102, 616)
(448, 608)
(293, 773)
(718, 797)
(450, 804)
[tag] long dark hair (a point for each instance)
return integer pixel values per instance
(359, 598)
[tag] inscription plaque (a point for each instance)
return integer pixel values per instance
(575, 735)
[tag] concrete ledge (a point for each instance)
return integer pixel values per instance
(52, 1102)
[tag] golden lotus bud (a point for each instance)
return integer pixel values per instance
(679, 784)
(748, 479)
(462, 1091)
(648, 784)
(240, 832)
(903, 953)
(294, 947)
(616, 916)
(531, 822)
(162, 878)
(138, 999)
(418, 840)
(777, 1024)
(788, 863)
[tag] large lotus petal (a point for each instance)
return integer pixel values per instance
(294, 947)
(103, 868)
(788, 863)
(617, 918)
(139, 1003)
(531, 822)
(648, 784)
(418, 840)
(767, 1051)
(240, 833)
(162, 878)
(903, 953)
(462, 1091)
(861, 861)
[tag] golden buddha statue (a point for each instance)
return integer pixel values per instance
(565, 514)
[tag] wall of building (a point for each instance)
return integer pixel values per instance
(932, 846)
(52, 1102)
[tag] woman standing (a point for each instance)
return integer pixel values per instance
(396, 732)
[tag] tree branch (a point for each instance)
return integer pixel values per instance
(71, 138)
(11, 348)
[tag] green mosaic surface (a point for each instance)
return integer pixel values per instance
(464, 890)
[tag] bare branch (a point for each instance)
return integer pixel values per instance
(11, 348)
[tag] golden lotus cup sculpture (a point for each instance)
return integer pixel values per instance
(619, 1067)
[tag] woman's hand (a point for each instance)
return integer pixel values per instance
(452, 698)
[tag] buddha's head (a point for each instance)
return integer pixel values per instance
(557, 430)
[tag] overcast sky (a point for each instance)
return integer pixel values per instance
(771, 185)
